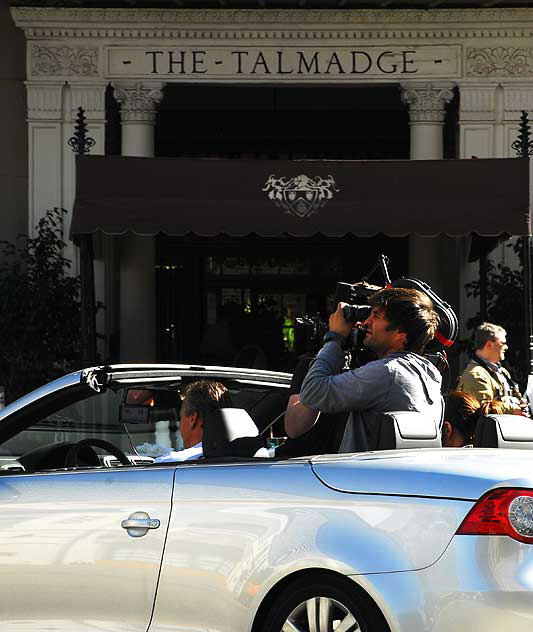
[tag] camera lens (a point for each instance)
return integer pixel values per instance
(356, 313)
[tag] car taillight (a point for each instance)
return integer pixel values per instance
(501, 512)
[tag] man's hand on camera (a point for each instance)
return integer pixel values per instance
(338, 324)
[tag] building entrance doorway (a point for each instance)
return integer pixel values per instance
(235, 301)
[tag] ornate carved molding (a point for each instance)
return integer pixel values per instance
(426, 101)
(478, 101)
(333, 34)
(209, 24)
(499, 61)
(516, 99)
(64, 61)
(138, 100)
(91, 97)
(45, 100)
(26, 16)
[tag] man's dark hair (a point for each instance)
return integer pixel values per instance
(203, 397)
(486, 332)
(463, 411)
(409, 311)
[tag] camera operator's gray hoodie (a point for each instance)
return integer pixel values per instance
(403, 380)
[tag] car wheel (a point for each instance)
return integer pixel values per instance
(324, 605)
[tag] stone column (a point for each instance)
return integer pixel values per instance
(481, 135)
(45, 148)
(52, 110)
(515, 98)
(90, 97)
(137, 253)
(137, 111)
(480, 120)
(426, 102)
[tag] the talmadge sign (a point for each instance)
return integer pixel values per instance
(289, 63)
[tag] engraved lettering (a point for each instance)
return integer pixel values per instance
(309, 65)
(334, 61)
(260, 61)
(240, 54)
(409, 62)
(198, 61)
(155, 53)
(366, 58)
(280, 65)
(176, 62)
(393, 68)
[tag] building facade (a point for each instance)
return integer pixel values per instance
(251, 83)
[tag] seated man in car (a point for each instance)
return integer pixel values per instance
(199, 399)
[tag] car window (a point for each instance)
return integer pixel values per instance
(119, 417)
(97, 417)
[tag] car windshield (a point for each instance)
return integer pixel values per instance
(95, 417)
(141, 420)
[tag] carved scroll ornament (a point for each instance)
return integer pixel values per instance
(499, 62)
(64, 61)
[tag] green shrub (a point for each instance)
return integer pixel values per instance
(39, 309)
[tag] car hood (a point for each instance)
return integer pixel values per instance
(462, 473)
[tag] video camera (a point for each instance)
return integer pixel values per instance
(310, 331)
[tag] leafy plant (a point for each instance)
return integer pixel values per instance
(39, 309)
(505, 307)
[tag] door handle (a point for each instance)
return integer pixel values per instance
(138, 524)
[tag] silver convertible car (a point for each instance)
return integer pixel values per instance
(97, 536)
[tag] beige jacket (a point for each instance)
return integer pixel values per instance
(480, 383)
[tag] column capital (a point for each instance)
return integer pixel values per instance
(426, 101)
(479, 101)
(45, 100)
(138, 100)
(91, 97)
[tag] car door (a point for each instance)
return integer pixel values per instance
(69, 561)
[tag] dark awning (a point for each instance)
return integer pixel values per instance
(301, 198)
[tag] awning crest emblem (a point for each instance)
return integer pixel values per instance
(300, 196)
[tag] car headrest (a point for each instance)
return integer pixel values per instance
(504, 431)
(403, 429)
(231, 432)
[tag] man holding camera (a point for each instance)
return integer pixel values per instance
(400, 325)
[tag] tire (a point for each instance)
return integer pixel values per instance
(323, 604)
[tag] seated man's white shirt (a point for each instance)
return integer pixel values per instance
(187, 454)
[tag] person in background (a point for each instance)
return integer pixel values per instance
(484, 377)
(461, 414)
(198, 400)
